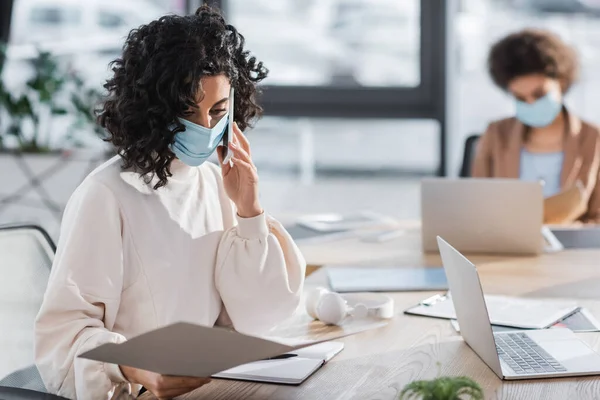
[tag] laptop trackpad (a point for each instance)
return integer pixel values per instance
(573, 354)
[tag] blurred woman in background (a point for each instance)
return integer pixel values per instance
(544, 141)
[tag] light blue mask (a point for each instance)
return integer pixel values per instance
(539, 113)
(197, 143)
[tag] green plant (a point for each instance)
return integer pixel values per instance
(51, 92)
(36, 106)
(443, 388)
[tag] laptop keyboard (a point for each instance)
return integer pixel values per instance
(525, 356)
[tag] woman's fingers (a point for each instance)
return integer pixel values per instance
(225, 168)
(241, 138)
(245, 166)
(240, 153)
(240, 148)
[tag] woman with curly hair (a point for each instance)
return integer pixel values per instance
(157, 235)
(544, 141)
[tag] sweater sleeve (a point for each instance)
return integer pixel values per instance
(259, 274)
(82, 297)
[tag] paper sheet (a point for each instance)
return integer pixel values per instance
(507, 311)
(580, 321)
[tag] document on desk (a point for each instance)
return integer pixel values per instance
(185, 349)
(302, 234)
(580, 321)
(321, 228)
(503, 310)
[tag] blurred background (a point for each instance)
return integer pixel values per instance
(364, 97)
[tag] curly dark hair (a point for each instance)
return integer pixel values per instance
(158, 77)
(532, 52)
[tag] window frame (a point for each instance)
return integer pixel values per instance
(6, 7)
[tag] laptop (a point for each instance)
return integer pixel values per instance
(495, 216)
(544, 353)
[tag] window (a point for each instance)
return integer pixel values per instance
(55, 15)
(107, 20)
(346, 43)
(360, 60)
(84, 36)
(363, 148)
(352, 59)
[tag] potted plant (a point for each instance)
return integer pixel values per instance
(443, 388)
(42, 123)
(31, 113)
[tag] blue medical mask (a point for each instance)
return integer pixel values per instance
(541, 112)
(197, 143)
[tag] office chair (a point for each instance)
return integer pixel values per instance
(26, 255)
(468, 155)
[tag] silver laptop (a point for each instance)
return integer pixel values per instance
(545, 353)
(497, 216)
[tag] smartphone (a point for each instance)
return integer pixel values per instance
(228, 136)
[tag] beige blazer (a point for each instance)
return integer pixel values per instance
(499, 155)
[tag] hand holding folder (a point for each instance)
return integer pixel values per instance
(566, 206)
(190, 350)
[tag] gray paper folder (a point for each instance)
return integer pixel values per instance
(184, 349)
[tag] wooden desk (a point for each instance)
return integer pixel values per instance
(377, 364)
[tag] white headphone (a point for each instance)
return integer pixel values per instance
(332, 308)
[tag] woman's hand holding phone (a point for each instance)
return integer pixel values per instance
(240, 177)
